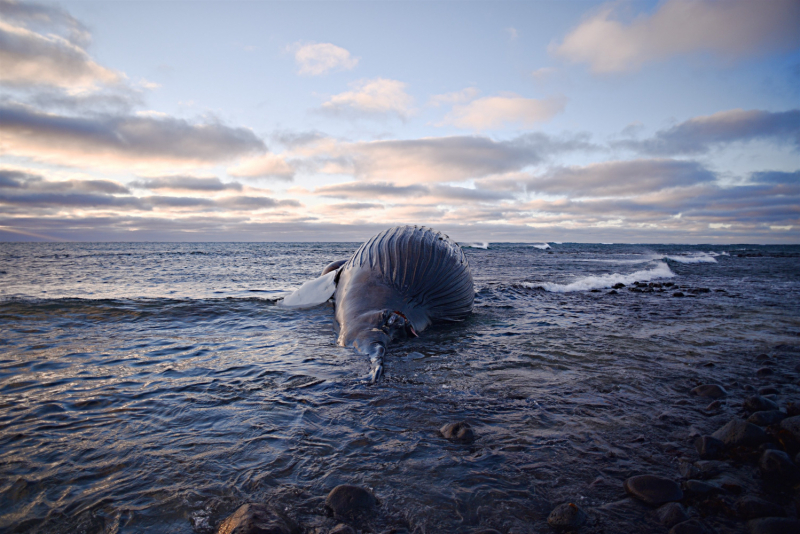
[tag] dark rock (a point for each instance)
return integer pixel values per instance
(792, 425)
(487, 531)
(350, 501)
(771, 417)
(765, 371)
(618, 285)
(729, 484)
(698, 488)
(793, 408)
(774, 525)
(750, 507)
(668, 284)
(768, 390)
(671, 514)
(776, 466)
(710, 468)
(613, 292)
(715, 405)
(712, 391)
(678, 294)
(688, 470)
(341, 528)
(708, 447)
(257, 518)
(739, 432)
(692, 526)
(653, 490)
(566, 516)
(757, 403)
(460, 431)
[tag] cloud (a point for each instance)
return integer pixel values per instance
(456, 97)
(186, 183)
(315, 59)
(700, 134)
(264, 166)
(51, 18)
(120, 141)
(731, 29)
(14, 178)
(371, 99)
(355, 206)
(496, 111)
(620, 178)
(435, 194)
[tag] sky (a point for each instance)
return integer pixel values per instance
(674, 121)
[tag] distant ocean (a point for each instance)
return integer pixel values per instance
(155, 387)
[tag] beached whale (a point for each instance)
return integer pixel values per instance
(395, 285)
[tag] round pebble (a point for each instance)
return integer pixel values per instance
(792, 425)
(757, 403)
(739, 432)
(778, 467)
(698, 488)
(771, 417)
(653, 489)
(708, 447)
(565, 516)
(765, 371)
(671, 514)
(350, 501)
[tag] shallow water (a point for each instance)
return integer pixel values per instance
(156, 387)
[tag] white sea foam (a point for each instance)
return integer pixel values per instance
(541, 246)
(696, 257)
(484, 245)
(661, 270)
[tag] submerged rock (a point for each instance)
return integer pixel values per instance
(350, 501)
(765, 371)
(708, 447)
(773, 525)
(653, 489)
(771, 417)
(671, 514)
(712, 391)
(739, 432)
(566, 516)
(460, 431)
(257, 518)
(750, 507)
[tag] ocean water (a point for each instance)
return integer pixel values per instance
(156, 387)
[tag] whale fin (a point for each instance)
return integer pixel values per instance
(333, 266)
(312, 293)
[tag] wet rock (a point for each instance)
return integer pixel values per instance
(776, 466)
(678, 294)
(688, 470)
(692, 526)
(765, 371)
(715, 405)
(257, 518)
(769, 390)
(341, 528)
(773, 525)
(750, 507)
(762, 356)
(698, 488)
(729, 484)
(792, 409)
(460, 431)
(653, 490)
(566, 516)
(671, 514)
(712, 391)
(792, 425)
(710, 468)
(708, 447)
(618, 285)
(771, 417)
(487, 531)
(757, 403)
(738, 432)
(613, 292)
(350, 501)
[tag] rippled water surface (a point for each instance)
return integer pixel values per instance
(157, 387)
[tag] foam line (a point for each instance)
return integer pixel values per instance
(661, 270)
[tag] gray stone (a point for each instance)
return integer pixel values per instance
(698, 488)
(739, 432)
(653, 489)
(671, 514)
(566, 516)
(460, 431)
(257, 518)
(792, 425)
(770, 417)
(692, 526)
(350, 501)
(708, 447)
(774, 525)
(757, 403)
(776, 466)
(712, 391)
(749, 507)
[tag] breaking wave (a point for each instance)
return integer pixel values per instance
(541, 246)
(601, 281)
(697, 257)
(484, 245)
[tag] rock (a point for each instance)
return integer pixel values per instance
(566, 516)
(771, 417)
(460, 431)
(613, 292)
(688, 470)
(653, 490)
(341, 528)
(769, 390)
(757, 403)
(712, 391)
(765, 371)
(257, 518)
(762, 357)
(792, 425)
(692, 526)
(487, 531)
(776, 466)
(708, 447)
(793, 408)
(698, 488)
(728, 484)
(773, 525)
(715, 405)
(750, 507)
(739, 432)
(350, 501)
(678, 294)
(671, 514)
(618, 285)
(710, 468)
